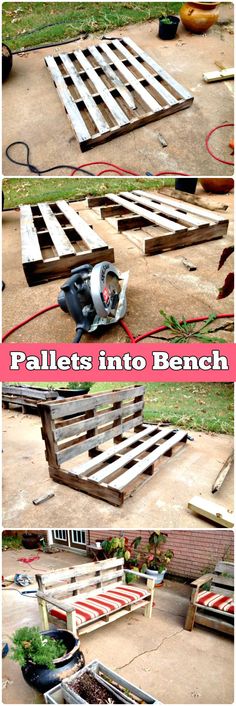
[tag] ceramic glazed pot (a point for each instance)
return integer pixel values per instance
(159, 577)
(197, 17)
(30, 540)
(217, 186)
(41, 678)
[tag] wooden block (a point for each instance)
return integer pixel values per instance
(212, 511)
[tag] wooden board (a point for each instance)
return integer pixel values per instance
(212, 511)
(55, 239)
(113, 87)
(156, 223)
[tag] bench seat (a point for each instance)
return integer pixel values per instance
(208, 599)
(105, 602)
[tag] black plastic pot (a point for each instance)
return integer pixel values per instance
(168, 30)
(30, 540)
(187, 185)
(41, 678)
(6, 61)
(67, 392)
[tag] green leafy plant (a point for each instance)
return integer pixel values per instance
(29, 645)
(157, 559)
(11, 542)
(184, 332)
(166, 20)
(79, 386)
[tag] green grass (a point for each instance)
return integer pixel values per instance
(21, 22)
(20, 191)
(203, 406)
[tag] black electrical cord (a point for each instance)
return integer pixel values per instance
(35, 169)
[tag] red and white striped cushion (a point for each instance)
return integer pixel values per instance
(103, 603)
(216, 600)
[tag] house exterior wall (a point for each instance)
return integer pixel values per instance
(195, 552)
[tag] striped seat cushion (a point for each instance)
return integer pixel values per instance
(103, 603)
(216, 600)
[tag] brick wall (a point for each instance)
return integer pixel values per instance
(195, 551)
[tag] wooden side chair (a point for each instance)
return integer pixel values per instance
(212, 600)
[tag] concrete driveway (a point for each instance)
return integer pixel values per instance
(33, 112)
(158, 655)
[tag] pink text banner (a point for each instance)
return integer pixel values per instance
(118, 362)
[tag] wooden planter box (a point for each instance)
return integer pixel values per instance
(64, 693)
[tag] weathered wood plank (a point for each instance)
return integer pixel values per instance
(88, 444)
(80, 427)
(83, 91)
(147, 97)
(162, 73)
(212, 511)
(30, 248)
(189, 207)
(132, 473)
(105, 473)
(57, 234)
(83, 403)
(115, 79)
(76, 119)
(159, 88)
(88, 235)
(167, 210)
(145, 213)
(94, 463)
(111, 103)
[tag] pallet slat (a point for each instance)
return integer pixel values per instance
(156, 223)
(87, 246)
(89, 100)
(85, 468)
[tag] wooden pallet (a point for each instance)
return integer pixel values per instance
(115, 473)
(54, 239)
(155, 222)
(25, 397)
(113, 87)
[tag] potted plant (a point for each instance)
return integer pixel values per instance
(168, 25)
(46, 657)
(157, 560)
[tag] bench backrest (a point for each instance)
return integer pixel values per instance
(223, 578)
(71, 427)
(82, 578)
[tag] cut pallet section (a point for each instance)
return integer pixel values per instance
(113, 87)
(82, 425)
(55, 239)
(156, 223)
(25, 397)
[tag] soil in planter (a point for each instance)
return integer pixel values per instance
(89, 689)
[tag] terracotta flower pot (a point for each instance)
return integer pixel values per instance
(217, 185)
(197, 17)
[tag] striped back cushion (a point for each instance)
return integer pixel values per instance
(102, 603)
(216, 600)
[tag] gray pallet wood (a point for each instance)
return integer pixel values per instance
(54, 239)
(106, 90)
(156, 223)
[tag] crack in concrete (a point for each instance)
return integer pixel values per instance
(154, 649)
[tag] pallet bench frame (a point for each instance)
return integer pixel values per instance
(112, 81)
(155, 222)
(72, 428)
(58, 588)
(51, 237)
(212, 617)
(25, 397)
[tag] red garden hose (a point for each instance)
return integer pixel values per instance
(214, 129)
(129, 333)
